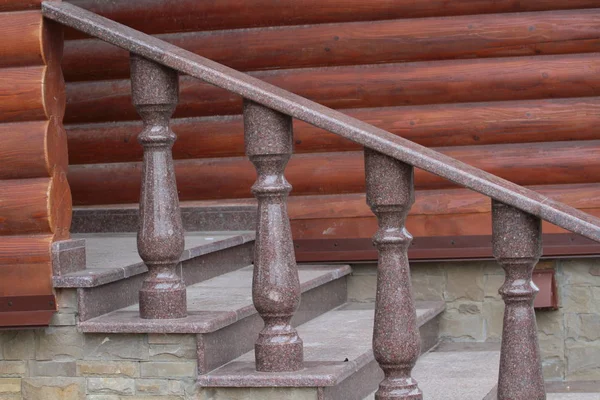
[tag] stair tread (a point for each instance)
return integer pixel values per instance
(336, 345)
(462, 372)
(212, 304)
(113, 256)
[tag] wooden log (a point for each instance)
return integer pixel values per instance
(32, 149)
(38, 278)
(40, 205)
(331, 173)
(31, 93)
(20, 5)
(438, 82)
(436, 125)
(29, 39)
(30, 249)
(356, 43)
(161, 16)
(433, 202)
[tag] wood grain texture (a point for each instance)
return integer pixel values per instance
(31, 93)
(29, 249)
(41, 205)
(161, 16)
(454, 81)
(342, 172)
(19, 5)
(434, 125)
(28, 39)
(35, 275)
(496, 35)
(32, 149)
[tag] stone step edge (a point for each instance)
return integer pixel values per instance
(298, 380)
(89, 278)
(195, 323)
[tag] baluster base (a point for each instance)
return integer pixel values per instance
(163, 303)
(396, 387)
(279, 353)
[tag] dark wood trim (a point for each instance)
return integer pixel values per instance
(437, 248)
(26, 311)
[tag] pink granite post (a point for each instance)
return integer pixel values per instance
(276, 286)
(396, 341)
(517, 245)
(160, 237)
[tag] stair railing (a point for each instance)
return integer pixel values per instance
(389, 161)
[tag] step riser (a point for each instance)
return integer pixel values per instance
(211, 218)
(220, 347)
(103, 299)
(367, 379)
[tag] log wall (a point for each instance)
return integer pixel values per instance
(510, 87)
(35, 199)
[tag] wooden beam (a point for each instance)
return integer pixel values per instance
(435, 82)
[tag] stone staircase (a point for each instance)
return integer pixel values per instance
(222, 324)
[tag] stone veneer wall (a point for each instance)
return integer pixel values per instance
(569, 338)
(59, 363)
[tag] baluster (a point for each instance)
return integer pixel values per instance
(396, 341)
(275, 286)
(160, 236)
(517, 245)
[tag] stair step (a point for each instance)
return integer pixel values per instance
(114, 271)
(221, 313)
(339, 362)
(460, 371)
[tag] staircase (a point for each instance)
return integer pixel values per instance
(223, 324)
(313, 344)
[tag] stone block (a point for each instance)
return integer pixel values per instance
(173, 369)
(66, 300)
(159, 387)
(580, 299)
(10, 385)
(105, 397)
(172, 347)
(581, 272)
(119, 386)
(116, 347)
(59, 343)
(428, 283)
(583, 327)
(53, 388)
(463, 321)
(492, 285)
(493, 312)
(12, 368)
(108, 368)
(18, 345)
(583, 361)
(62, 319)
(553, 369)
(52, 368)
(465, 282)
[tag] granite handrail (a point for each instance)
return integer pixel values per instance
(323, 117)
(389, 170)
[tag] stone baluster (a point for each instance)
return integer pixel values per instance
(160, 236)
(517, 245)
(396, 341)
(275, 286)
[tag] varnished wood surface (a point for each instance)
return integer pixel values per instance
(435, 125)
(35, 275)
(25, 249)
(341, 172)
(454, 81)
(31, 93)
(40, 205)
(32, 149)
(496, 35)
(160, 16)
(19, 5)
(28, 39)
